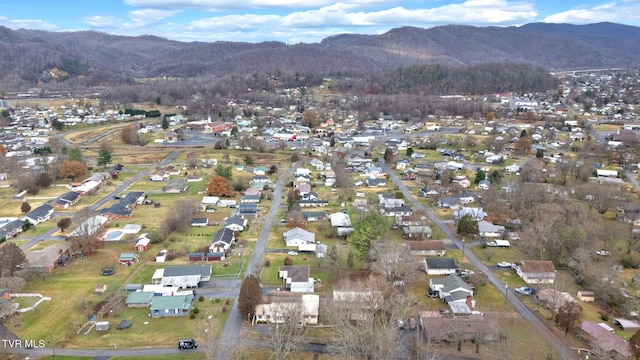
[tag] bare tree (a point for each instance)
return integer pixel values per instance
(601, 197)
(85, 237)
(10, 257)
(364, 315)
(393, 261)
(179, 216)
(287, 329)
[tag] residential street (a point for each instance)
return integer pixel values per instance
(562, 349)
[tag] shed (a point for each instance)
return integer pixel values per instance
(100, 289)
(102, 326)
(143, 244)
(128, 259)
(161, 256)
(132, 287)
(626, 325)
(586, 296)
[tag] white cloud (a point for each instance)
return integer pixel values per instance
(628, 11)
(99, 21)
(34, 24)
(212, 5)
(146, 17)
(233, 22)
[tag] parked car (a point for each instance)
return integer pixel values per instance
(108, 271)
(603, 253)
(293, 253)
(525, 290)
(187, 344)
(504, 264)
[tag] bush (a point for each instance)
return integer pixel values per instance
(196, 310)
(224, 309)
(192, 316)
(155, 236)
(267, 263)
(604, 317)
(288, 261)
(217, 300)
(629, 262)
(201, 298)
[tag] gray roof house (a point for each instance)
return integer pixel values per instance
(298, 236)
(223, 238)
(441, 266)
(40, 214)
(183, 277)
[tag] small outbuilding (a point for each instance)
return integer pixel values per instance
(102, 326)
(586, 296)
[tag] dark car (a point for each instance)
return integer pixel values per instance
(187, 344)
(108, 271)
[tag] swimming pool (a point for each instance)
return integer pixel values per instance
(113, 235)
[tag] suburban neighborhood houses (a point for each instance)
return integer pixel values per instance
(512, 229)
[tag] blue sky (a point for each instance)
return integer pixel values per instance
(291, 22)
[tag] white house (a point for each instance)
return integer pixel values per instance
(306, 309)
(298, 236)
(488, 229)
(296, 278)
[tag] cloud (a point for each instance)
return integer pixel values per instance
(628, 11)
(212, 5)
(99, 21)
(34, 24)
(147, 17)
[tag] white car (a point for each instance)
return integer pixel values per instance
(504, 264)
(293, 253)
(603, 253)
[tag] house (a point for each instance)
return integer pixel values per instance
(536, 271)
(128, 259)
(466, 328)
(604, 337)
(484, 184)
(143, 243)
(139, 299)
(586, 296)
(296, 278)
(388, 200)
(455, 292)
(259, 181)
(65, 200)
(399, 211)
(236, 223)
(40, 214)
(441, 266)
(342, 223)
(359, 306)
(90, 226)
(260, 170)
(247, 210)
(209, 202)
(306, 309)
(313, 203)
(313, 216)
(199, 221)
(488, 229)
(252, 191)
(223, 238)
(160, 175)
(626, 325)
(416, 232)
(11, 229)
(125, 205)
(176, 305)
(376, 182)
(476, 213)
(182, 277)
(47, 259)
(177, 186)
(194, 178)
(298, 236)
(427, 247)
(250, 199)
(6, 304)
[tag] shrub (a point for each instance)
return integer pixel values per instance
(201, 298)
(288, 261)
(224, 309)
(267, 263)
(217, 300)
(196, 310)
(192, 316)
(604, 317)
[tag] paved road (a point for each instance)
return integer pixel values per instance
(562, 349)
(104, 199)
(231, 330)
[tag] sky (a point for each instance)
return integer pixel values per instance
(296, 21)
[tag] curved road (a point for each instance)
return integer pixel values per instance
(562, 349)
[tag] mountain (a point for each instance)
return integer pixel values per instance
(93, 58)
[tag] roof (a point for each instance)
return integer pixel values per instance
(46, 256)
(442, 263)
(606, 340)
(183, 302)
(340, 219)
(299, 233)
(536, 266)
(451, 282)
(138, 297)
(433, 245)
(235, 220)
(128, 256)
(201, 270)
(41, 211)
(223, 235)
(416, 229)
(296, 273)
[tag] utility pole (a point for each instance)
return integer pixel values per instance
(53, 346)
